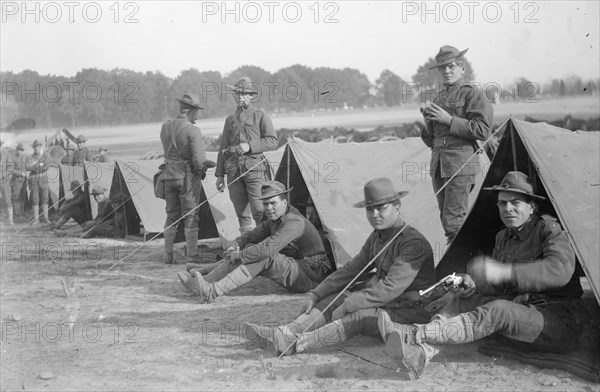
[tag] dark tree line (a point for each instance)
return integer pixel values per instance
(96, 97)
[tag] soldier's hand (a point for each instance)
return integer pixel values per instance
(243, 148)
(309, 303)
(467, 288)
(487, 271)
(437, 113)
(220, 184)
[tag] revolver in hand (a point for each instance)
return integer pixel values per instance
(446, 283)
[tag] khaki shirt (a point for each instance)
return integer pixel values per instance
(252, 126)
(189, 151)
(406, 265)
(452, 145)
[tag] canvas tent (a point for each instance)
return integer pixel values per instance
(565, 168)
(133, 181)
(334, 176)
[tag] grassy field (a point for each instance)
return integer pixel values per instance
(133, 141)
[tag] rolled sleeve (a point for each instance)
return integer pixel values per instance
(285, 233)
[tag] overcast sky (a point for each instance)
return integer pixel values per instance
(539, 40)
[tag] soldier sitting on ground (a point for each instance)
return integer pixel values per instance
(285, 247)
(72, 208)
(109, 222)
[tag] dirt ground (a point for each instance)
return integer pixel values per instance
(75, 316)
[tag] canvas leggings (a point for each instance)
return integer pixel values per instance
(551, 327)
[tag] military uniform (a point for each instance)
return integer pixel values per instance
(38, 164)
(80, 155)
(6, 170)
(184, 157)
(107, 224)
(453, 145)
(75, 208)
(541, 305)
(253, 126)
(19, 178)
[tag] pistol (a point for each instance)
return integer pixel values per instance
(445, 283)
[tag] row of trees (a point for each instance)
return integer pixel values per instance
(120, 96)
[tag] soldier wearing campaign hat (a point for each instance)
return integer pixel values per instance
(19, 177)
(247, 134)
(182, 175)
(455, 121)
(82, 153)
(37, 165)
(527, 291)
(285, 247)
(402, 268)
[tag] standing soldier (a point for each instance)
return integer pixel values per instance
(19, 177)
(184, 167)
(37, 164)
(82, 153)
(6, 169)
(458, 117)
(246, 135)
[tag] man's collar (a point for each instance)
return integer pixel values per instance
(524, 228)
(456, 84)
(387, 233)
(244, 108)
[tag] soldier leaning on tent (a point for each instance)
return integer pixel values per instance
(19, 178)
(457, 118)
(528, 291)
(285, 247)
(247, 133)
(75, 207)
(37, 164)
(405, 267)
(82, 153)
(108, 223)
(182, 175)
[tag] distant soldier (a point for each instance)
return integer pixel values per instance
(184, 168)
(457, 118)
(246, 135)
(37, 164)
(102, 156)
(19, 178)
(75, 208)
(6, 170)
(82, 153)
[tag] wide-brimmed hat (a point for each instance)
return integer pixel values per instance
(271, 189)
(379, 191)
(98, 190)
(244, 85)
(447, 54)
(81, 139)
(74, 185)
(36, 143)
(190, 99)
(20, 147)
(515, 181)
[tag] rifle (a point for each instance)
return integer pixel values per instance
(445, 283)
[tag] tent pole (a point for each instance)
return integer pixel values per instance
(514, 148)
(123, 196)
(287, 176)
